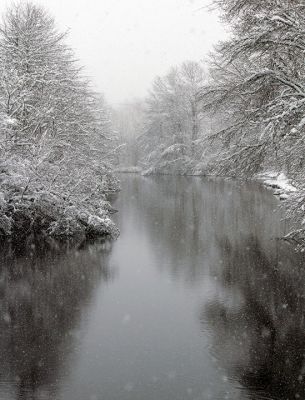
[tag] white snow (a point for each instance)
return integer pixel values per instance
(11, 121)
(279, 182)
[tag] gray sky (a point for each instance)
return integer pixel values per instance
(124, 44)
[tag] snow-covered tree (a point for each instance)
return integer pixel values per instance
(257, 84)
(53, 131)
(257, 78)
(173, 120)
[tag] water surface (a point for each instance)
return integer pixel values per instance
(196, 300)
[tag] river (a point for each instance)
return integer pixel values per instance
(197, 299)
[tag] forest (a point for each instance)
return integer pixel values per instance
(239, 114)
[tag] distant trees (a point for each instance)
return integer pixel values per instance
(128, 124)
(172, 122)
(53, 132)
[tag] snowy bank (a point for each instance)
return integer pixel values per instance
(29, 206)
(280, 184)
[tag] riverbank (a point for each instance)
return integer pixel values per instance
(30, 205)
(278, 182)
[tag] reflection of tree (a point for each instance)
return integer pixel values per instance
(203, 228)
(259, 338)
(166, 209)
(184, 217)
(42, 297)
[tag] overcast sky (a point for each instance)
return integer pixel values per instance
(124, 44)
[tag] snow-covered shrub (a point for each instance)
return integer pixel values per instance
(28, 206)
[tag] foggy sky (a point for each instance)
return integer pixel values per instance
(124, 44)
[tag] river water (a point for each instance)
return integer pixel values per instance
(197, 299)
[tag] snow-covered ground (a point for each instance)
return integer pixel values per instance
(281, 185)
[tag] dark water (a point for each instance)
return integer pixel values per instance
(196, 300)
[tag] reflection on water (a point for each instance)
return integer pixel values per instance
(43, 293)
(206, 303)
(257, 320)
(255, 313)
